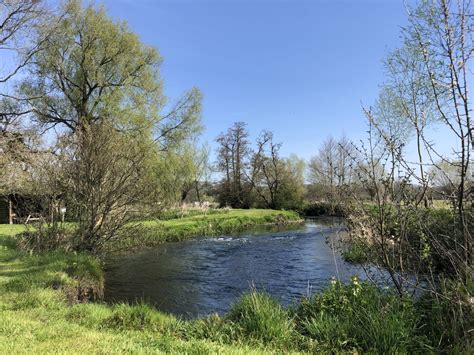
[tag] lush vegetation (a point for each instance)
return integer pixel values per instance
(228, 221)
(44, 305)
(114, 156)
(185, 224)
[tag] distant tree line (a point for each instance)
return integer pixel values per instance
(257, 175)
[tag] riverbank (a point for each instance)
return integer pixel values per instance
(153, 232)
(38, 316)
(43, 312)
(171, 227)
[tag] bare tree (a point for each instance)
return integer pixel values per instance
(444, 34)
(101, 176)
(17, 19)
(333, 168)
(232, 161)
(428, 82)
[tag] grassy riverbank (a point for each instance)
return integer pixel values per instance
(44, 310)
(153, 232)
(173, 226)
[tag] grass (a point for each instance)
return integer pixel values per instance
(153, 232)
(185, 225)
(43, 310)
(39, 314)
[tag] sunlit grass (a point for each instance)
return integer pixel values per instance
(40, 313)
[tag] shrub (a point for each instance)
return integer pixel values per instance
(316, 209)
(356, 253)
(359, 316)
(47, 238)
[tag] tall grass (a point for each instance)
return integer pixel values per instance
(360, 316)
(260, 319)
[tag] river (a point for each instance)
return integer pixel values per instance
(205, 275)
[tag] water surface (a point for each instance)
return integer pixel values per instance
(205, 275)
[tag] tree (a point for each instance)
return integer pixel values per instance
(99, 88)
(406, 109)
(232, 161)
(333, 168)
(446, 178)
(92, 69)
(18, 144)
(292, 188)
(428, 82)
(266, 170)
(179, 172)
(101, 174)
(443, 32)
(17, 19)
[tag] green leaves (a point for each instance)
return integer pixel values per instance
(92, 69)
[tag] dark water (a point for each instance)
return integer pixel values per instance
(206, 275)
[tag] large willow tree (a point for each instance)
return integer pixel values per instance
(98, 87)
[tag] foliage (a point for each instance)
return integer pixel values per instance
(179, 173)
(357, 317)
(260, 177)
(92, 69)
(421, 230)
(99, 85)
(448, 316)
(357, 253)
(315, 209)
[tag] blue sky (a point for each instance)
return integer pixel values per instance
(299, 68)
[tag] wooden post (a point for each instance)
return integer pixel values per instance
(10, 211)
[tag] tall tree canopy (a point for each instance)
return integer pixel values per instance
(92, 69)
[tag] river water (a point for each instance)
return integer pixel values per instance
(205, 275)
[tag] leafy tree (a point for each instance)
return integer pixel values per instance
(17, 19)
(92, 69)
(18, 144)
(99, 87)
(179, 172)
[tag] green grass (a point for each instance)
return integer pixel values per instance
(190, 225)
(153, 232)
(39, 313)
(43, 310)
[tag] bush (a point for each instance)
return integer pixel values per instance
(47, 238)
(361, 317)
(356, 253)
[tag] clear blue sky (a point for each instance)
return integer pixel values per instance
(299, 68)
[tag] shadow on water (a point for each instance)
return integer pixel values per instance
(205, 275)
